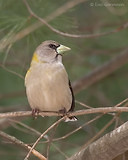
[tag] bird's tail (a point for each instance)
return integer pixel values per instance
(71, 119)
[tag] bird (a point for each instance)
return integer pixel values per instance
(48, 87)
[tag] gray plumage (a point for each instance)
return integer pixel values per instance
(47, 83)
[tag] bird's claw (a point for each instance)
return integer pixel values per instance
(35, 112)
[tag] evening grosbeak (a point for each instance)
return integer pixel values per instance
(47, 85)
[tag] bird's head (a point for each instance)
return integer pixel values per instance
(49, 51)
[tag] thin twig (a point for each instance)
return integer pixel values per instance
(24, 32)
(86, 106)
(26, 126)
(82, 104)
(42, 135)
(50, 140)
(11, 71)
(119, 104)
(59, 11)
(105, 127)
(124, 26)
(58, 149)
(23, 145)
(118, 114)
(77, 129)
(24, 130)
(107, 147)
(99, 133)
(38, 133)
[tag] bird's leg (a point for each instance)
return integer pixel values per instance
(63, 111)
(35, 112)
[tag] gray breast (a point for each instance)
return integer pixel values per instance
(48, 89)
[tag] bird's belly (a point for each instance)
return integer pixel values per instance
(51, 93)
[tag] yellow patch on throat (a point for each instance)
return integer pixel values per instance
(35, 58)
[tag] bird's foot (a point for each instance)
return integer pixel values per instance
(63, 111)
(35, 112)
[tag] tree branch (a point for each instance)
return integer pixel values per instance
(124, 26)
(107, 147)
(59, 11)
(42, 135)
(76, 113)
(23, 145)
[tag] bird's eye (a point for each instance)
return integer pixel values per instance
(52, 46)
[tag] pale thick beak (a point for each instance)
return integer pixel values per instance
(61, 49)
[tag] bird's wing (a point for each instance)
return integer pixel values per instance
(73, 98)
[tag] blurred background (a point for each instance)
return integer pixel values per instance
(21, 33)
